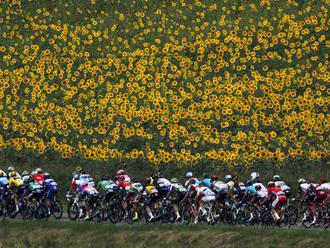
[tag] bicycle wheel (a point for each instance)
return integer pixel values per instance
(186, 215)
(27, 212)
(267, 219)
(57, 209)
(3, 212)
(116, 213)
(73, 211)
(291, 215)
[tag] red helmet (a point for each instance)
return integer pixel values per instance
(322, 181)
(214, 177)
(308, 181)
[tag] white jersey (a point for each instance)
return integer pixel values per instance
(219, 186)
(279, 184)
(262, 194)
(178, 187)
(263, 188)
(205, 191)
(285, 188)
(325, 187)
(164, 183)
(304, 187)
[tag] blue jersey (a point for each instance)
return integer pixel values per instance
(50, 184)
(207, 182)
(251, 190)
(3, 181)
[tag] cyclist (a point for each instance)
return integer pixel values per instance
(107, 186)
(16, 186)
(176, 193)
(89, 194)
(4, 187)
(162, 184)
(221, 190)
(206, 180)
(189, 178)
(151, 195)
(281, 184)
(278, 199)
(51, 189)
(136, 194)
(204, 197)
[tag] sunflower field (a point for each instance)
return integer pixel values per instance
(233, 81)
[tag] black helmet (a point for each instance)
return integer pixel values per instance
(104, 178)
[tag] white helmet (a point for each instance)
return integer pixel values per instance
(189, 174)
(301, 180)
(228, 177)
(276, 178)
(254, 176)
(10, 169)
(39, 170)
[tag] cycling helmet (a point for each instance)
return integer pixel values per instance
(10, 169)
(13, 174)
(301, 180)
(254, 176)
(26, 179)
(39, 170)
(149, 181)
(249, 182)
(276, 178)
(322, 181)
(46, 175)
(189, 175)
(240, 184)
(120, 172)
(205, 175)
(271, 184)
(2, 174)
(214, 178)
(228, 177)
(104, 178)
(308, 181)
(25, 173)
(258, 187)
(174, 180)
(78, 169)
(33, 173)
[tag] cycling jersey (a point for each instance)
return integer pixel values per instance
(206, 182)
(251, 190)
(178, 187)
(15, 183)
(279, 183)
(3, 181)
(219, 186)
(107, 186)
(304, 187)
(136, 188)
(191, 181)
(325, 187)
(230, 185)
(150, 190)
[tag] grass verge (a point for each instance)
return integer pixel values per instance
(67, 234)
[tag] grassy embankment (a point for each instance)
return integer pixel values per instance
(89, 235)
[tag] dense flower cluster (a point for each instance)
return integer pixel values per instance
(166, 81)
